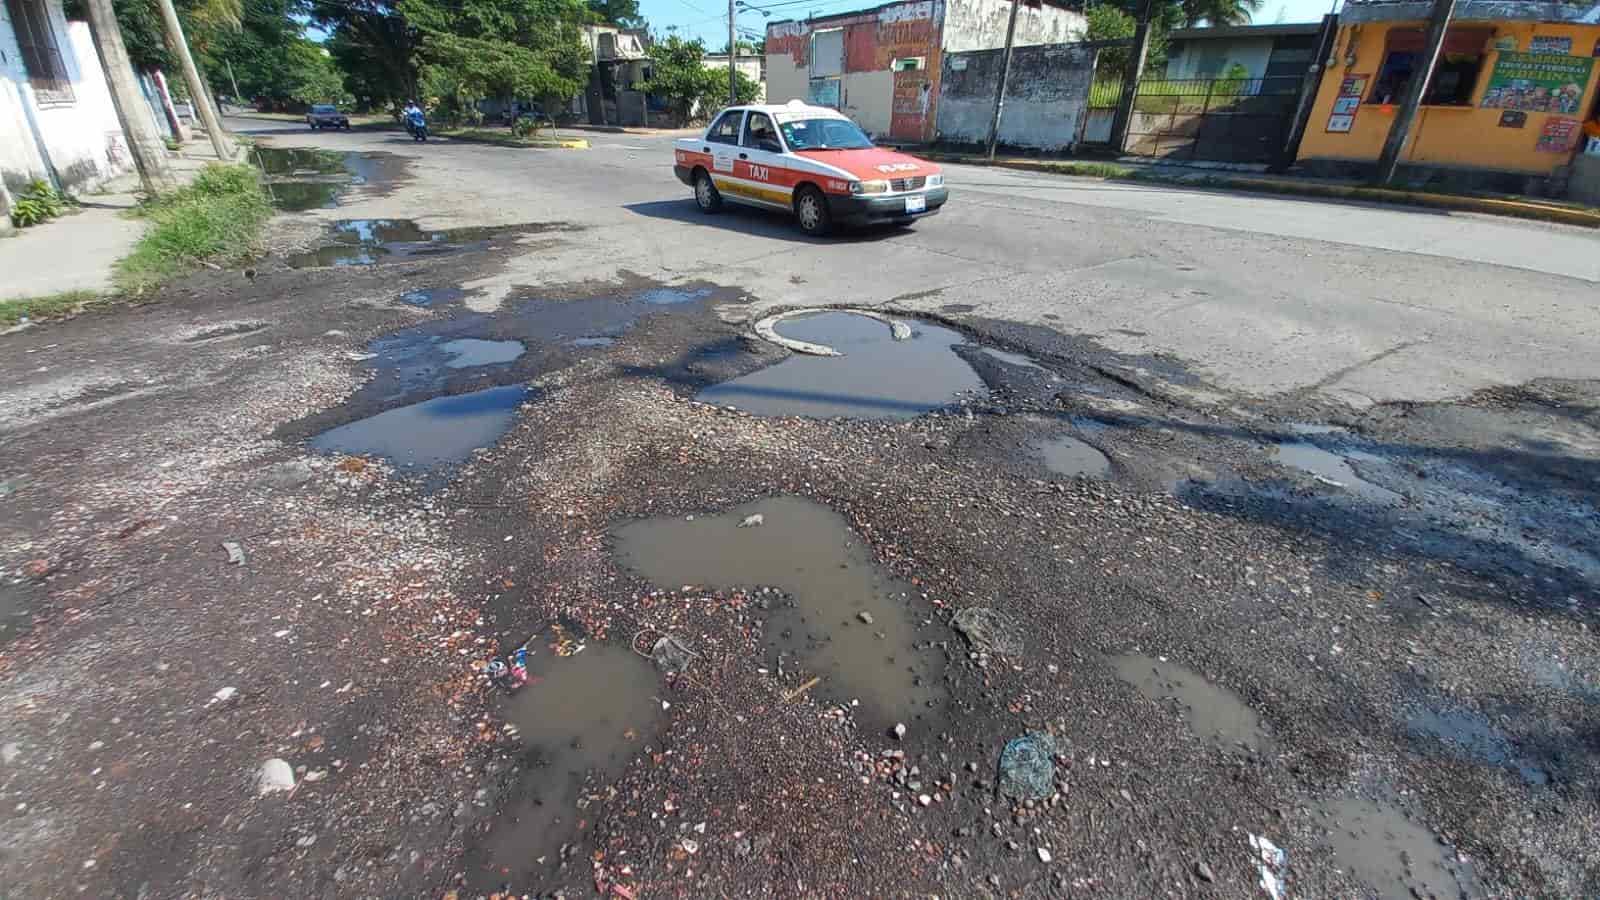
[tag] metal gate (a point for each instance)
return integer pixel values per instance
(1235, 120)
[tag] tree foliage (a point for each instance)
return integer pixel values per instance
(689, 86)
(373, 45)
(1108, 23)
(621, 13)
(497, 48)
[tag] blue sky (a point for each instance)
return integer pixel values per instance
(707, 19)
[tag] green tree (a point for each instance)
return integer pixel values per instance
(373, 45)
(621, 13)
(510, 49)
(1219, 12)
(1108, 23)
(679, 75)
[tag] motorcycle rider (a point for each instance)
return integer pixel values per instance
(415, 121)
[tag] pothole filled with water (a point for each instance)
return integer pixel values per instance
(839, 617)
(362, 242)
(1211, 711)
(299, 179)
(1333, 469)
(1468, 735)
(430, 297)
(1394, 856)
(433, 433)
(876, 377)
(1071, 457)
(14, 617)
(580, 719)
(466, 353)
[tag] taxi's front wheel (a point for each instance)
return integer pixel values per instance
(811, 209)
(705, 193)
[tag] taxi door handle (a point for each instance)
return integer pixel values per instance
(744, 156)
(705, 149)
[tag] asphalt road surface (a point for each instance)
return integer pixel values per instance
(1192, 544)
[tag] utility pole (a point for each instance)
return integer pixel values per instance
(144, 143)
(191, 77)
(1438, 24)
(733, 55)
(1005, 72)
(1131, 75)
(233, 81)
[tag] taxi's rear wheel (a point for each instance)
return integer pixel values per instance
(811, 209)
(705, 193)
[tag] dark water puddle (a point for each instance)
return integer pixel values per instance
(429, 297)
(298, 161)
(362, 242)
(430, 434)
(809, 553)
(1211, 711)
(300, 178)
(14, 616)
(581, 718)
(1334, 469)
(1468, 735)
(465, 353)
(1392, 855)
(1020, 360)
(1068, 456)
(673, 296)
(876, 378)
(299, 196)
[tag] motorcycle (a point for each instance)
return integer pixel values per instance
(417, 127)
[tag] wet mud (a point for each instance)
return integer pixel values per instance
(1214, 713)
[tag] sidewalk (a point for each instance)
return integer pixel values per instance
(1126, 169)
(77, 252)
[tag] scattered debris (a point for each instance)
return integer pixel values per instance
(1028, 768)
(806, 687)
(865, 617)
(235, 553)
(1271, 861)
(899, 731)
(753, 521)
(223, 695)
(988, 631)
(671, 654)
(275, 775)
(1204, 871)
(1044, 855)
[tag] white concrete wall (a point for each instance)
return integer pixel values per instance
(869, 100)
(82, 137)
(1211, 59)
(19, 159)
(785, 80)
(981, 25)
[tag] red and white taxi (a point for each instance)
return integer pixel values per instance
(809, 160)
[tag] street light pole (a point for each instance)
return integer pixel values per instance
(1005, 71)
(1438, 24)
(733, 54)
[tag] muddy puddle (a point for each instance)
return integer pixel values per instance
(581, 718)
(300, 179)
(673, 296)
(1469, 736)
(466, 353)
(1071, 457)
(1212, 712)
(877, 377)
(431, 297)
(14, 618)
(1334, 469)
(432, 433)
(1395, 857)
(417, 362)
(838, 617)
(364, 242)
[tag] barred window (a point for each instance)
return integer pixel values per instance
(41, 57)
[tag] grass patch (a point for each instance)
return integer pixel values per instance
(215, 220)
(50, 306)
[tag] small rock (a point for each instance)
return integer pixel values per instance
(97, 745)
(306, 841)
(235, 553)
(924, 800)
(9, 752)
(1204, 871)
(899, 731)
(1044, 855)
(37, 569)
(290, 474)
(690, 846)
(994, 880)
(865, 617)
(275, 775)
(754, 521)
(223, 695)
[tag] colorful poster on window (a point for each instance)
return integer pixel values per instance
(1549, 43)
(1537, 82)
(1558, 135)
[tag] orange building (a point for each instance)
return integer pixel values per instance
(1505, 110)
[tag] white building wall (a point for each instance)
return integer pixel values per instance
(19, 158)
(785, 80)
(81, 137)
(981, 25)
(868, 98)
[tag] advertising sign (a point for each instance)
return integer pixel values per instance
(1538, 82)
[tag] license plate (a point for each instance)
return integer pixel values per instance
(916, 204)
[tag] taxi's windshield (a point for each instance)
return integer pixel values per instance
(823, 134)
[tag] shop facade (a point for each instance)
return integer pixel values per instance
(1513, 88)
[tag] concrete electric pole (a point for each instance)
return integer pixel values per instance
(1131, 75)
(144, 142)
(1438, 24)
(1005, 71)
(733, 56)
(191, 77)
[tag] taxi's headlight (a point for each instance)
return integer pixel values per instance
(869, 187)
(935, 181)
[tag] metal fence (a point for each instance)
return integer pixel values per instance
(1240, 120)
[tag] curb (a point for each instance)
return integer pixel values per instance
(558, 144)
(1521, 209)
